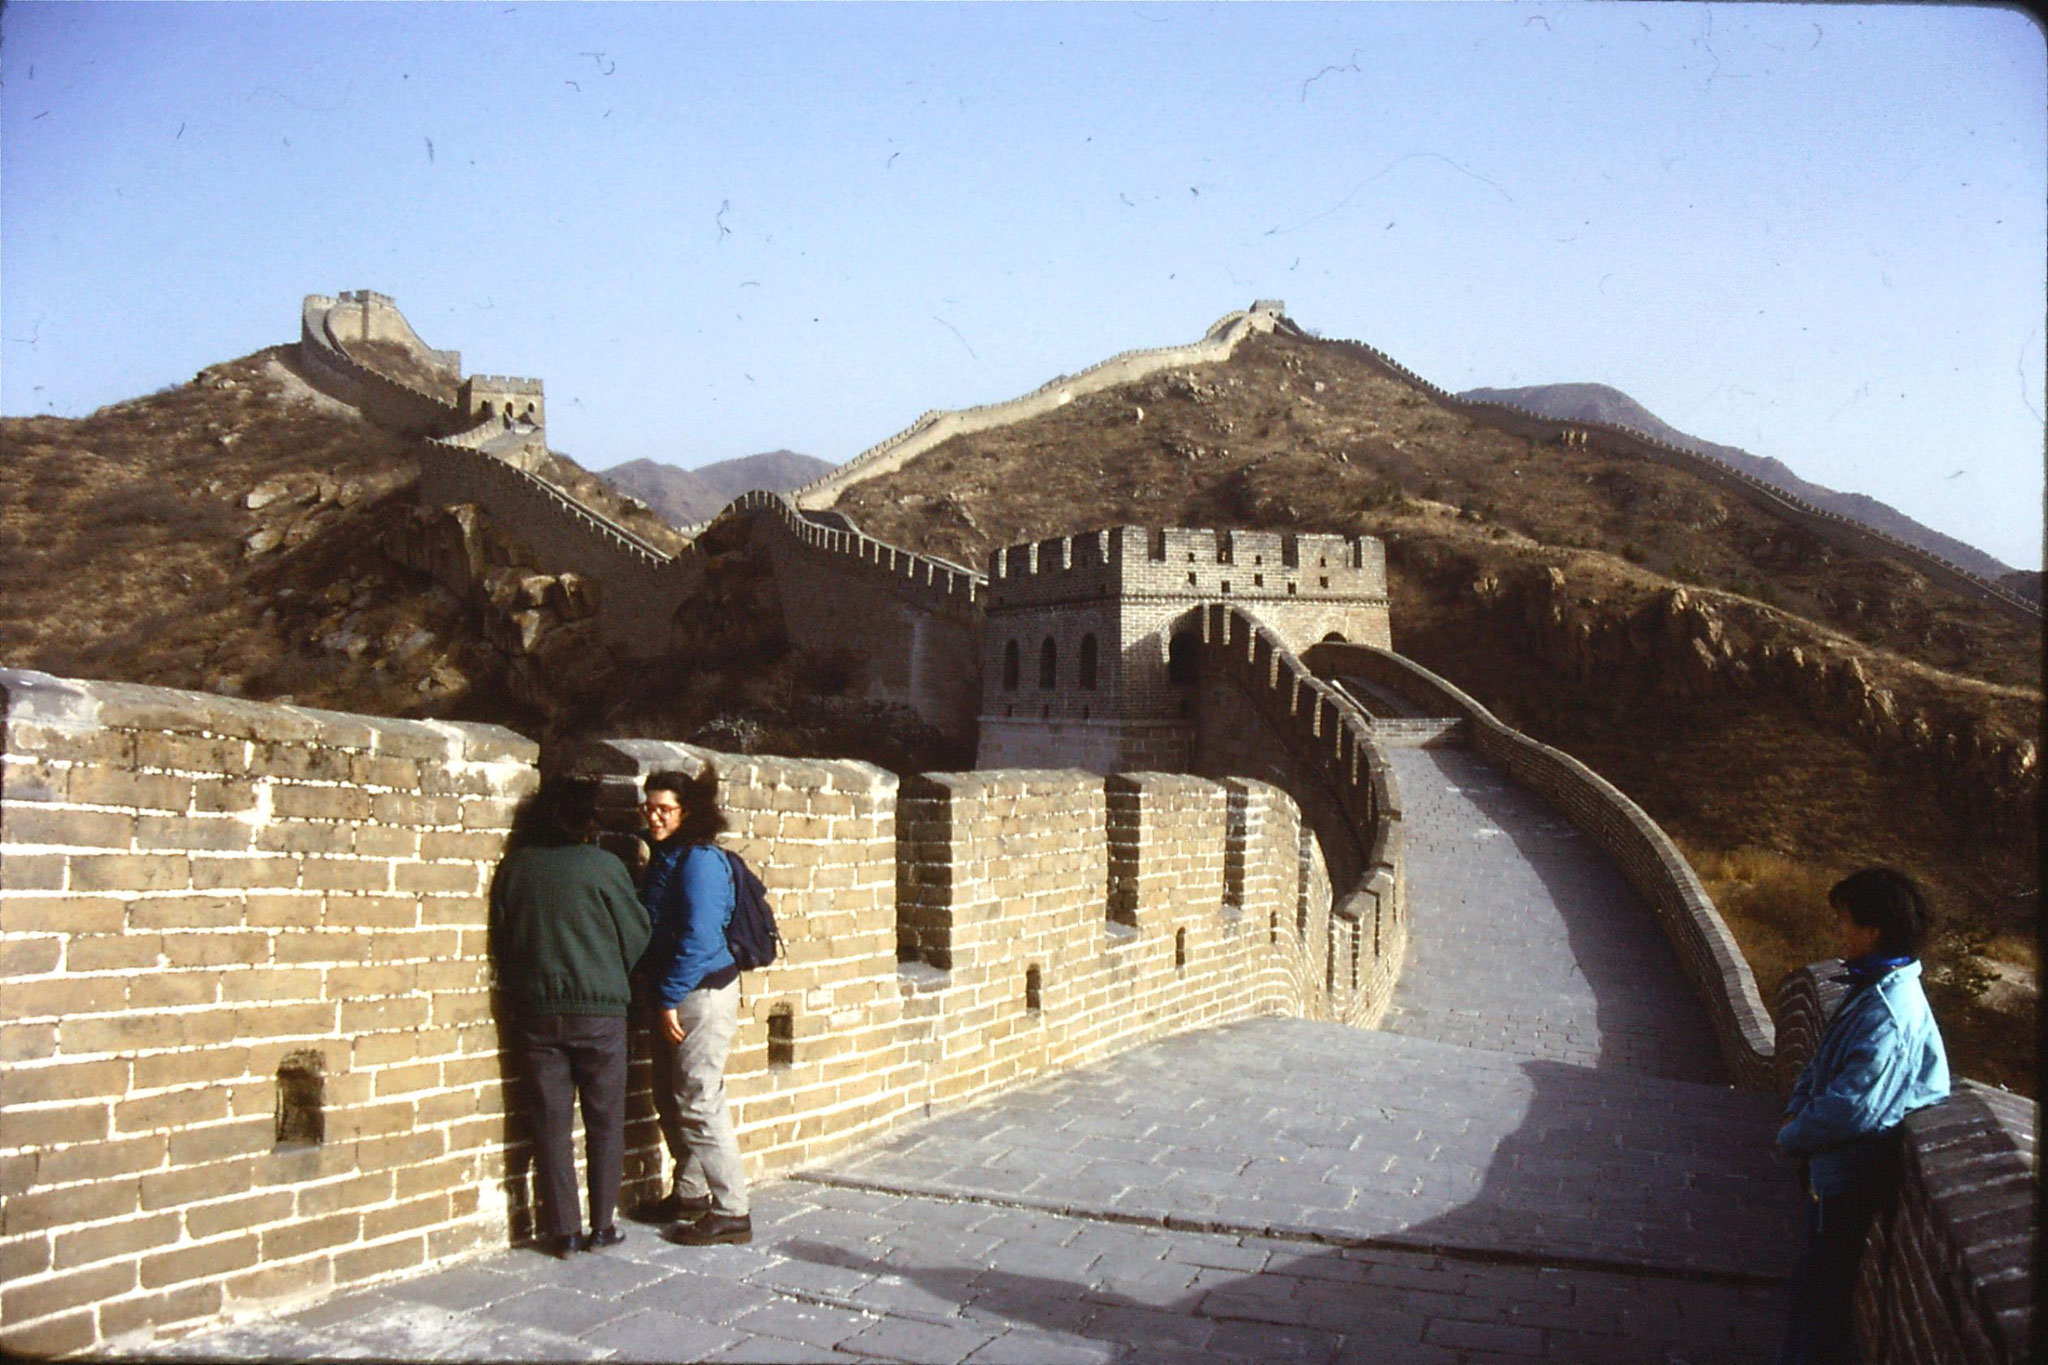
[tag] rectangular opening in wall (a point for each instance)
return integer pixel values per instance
(1236, 819)
(781, 1038)
(301, 1094)
(1034, 989)
(1180, 950)
(1304, 858)
(1290, 590)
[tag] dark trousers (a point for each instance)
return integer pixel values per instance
(1821, 1330)
(567, 1057)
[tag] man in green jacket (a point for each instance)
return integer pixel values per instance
(567, 927)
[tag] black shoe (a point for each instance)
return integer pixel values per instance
(602, 1238)
(712, 1228)
(563, 1247)
(672, 1208)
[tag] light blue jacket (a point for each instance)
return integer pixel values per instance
(689, 896)
(1880, 1059)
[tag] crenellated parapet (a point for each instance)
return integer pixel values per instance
(935, 584)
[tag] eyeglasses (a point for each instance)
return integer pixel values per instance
(660, 808)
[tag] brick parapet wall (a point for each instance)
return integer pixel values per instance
(193, 890)
(1264, 714)
(388, 402)
(1659, 873)
(937, 426)
(1832, 526)
(639, 587)
(927, 582)
(1948, 1271)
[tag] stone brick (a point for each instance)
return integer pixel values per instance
(21, 1127)
(30, 956)
(384, 841)
(373, 770)
(321, 803)
(185, 912)
(185, 1304)
(21, 1257)
(59, 914)
(96, 786)
(432, 877)
(32, 871)
(101, 1160)
(214, 833)
(216, 949)
(355, 1192)
(111, 1241)
(228, 1215)
(346, 874)
(56, 997)
(42, 1298)
(164, 990)
(364, 1262)
(416, 1213)
(224, 796)
(268, 982)
(210, 874)
(401, 1149)
(221, 1141)
(301, 761)
(271, 1282)
(283, 911)
(194, 1184)
(64, 1080)
(27, 1042)
(204, 1261)
(27, 779)
(113, 952)
(40, 1209)
(174, 1109)
(324, 946)
(307, 1019)
(305, 836)
(58, 1336)
(191, 753)
(142, 1032)
(464, 846)
(66, 827)
(367, 1016)
(377, 912)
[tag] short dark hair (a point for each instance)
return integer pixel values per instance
(563, 811)
(1886, 899)
(703, 821)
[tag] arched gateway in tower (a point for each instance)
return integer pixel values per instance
(1088, 651)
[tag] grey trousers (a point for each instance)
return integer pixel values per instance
(689, 1099)
(567, 1057)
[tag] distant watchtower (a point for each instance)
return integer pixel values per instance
(1090, 645)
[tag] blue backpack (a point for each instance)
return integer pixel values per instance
(751, 934)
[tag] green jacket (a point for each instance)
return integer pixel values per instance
(566, 927)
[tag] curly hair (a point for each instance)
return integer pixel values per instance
(703, 820)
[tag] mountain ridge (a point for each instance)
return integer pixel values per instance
(1593, 402)
(690, 497)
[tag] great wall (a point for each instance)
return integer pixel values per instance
(248, 1019)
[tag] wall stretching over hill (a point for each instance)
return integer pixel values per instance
(246, 1007)
(638, 587)
(323, 325)
(1659, 873)
(1833, 527)
(937, 426)
(1948, 1274)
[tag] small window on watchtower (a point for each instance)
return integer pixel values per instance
(1048, 664)
(301, 1084)
(1088, 663)
(1180, 950)
(1010, 668)
(1034, 990)
(781, 1038)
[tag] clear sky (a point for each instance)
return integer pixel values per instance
(1816, 232)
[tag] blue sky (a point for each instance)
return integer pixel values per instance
(1818, 233)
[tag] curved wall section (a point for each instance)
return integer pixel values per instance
(1659, 873)
(938, 426)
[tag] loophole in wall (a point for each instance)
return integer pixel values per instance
(1034, 989)
(781, 1037)
(1180, 950)
(301, 1091)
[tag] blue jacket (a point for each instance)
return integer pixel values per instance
(1879, 1059)
(689, 896)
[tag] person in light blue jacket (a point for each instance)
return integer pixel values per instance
(1879, 1059)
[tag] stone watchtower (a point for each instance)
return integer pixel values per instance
(1090, 642)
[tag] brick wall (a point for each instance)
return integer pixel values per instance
(195, 894)
(1947, 1272)
(210, 908)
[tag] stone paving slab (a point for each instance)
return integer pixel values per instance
(1329, 1132)
(1526, 939)
(1059, 1289)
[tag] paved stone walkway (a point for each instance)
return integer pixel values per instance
(1534, 1160)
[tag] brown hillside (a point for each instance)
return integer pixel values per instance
(1757, 690)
